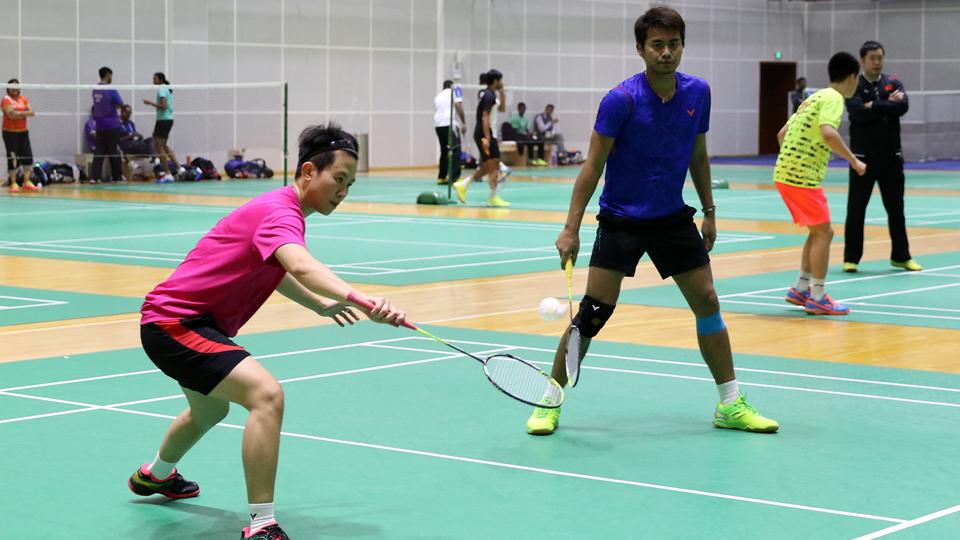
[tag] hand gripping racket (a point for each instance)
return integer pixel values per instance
(513, 376)
(573, 357)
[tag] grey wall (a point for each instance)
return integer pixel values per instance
(375, 65)
(921, 48)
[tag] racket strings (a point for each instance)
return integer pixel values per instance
(522, 380)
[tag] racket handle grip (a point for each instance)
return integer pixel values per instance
(368, 304)
(568, 268)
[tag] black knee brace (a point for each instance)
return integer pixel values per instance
(592, 316)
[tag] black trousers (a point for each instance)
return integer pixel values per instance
(108, 145)
(888, 173)
(442, 134)
(531, 144)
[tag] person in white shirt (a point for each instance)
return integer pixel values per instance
(545, 125)
(441, 122)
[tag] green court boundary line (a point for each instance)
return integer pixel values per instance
(463, 459)
(384, 343)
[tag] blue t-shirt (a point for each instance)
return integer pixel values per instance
(105, 103)
(652, 147)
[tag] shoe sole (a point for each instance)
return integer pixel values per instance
(166, 494)
(541, 432)
(748, 429)
(825, 312)
(794, 301)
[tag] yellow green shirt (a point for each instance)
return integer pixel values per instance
(804, 154)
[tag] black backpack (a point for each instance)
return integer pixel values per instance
(208, 171)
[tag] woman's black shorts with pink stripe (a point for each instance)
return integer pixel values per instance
(193, 352)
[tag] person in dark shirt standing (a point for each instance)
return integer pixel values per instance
(874, 111)
(109, 132)
(484, 134)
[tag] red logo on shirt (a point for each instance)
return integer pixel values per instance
(888, 87)
(690, 112)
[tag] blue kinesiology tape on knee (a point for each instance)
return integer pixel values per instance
(711, 324)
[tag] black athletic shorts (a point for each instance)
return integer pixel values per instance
(193, 352)
(494, 149)
(161, 130)
(16, 146)
(673, 243)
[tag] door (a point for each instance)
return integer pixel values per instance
(777, 79)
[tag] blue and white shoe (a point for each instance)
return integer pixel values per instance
(796, 297)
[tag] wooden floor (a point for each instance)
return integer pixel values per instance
(505, 302)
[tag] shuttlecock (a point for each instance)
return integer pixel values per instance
(551, 309)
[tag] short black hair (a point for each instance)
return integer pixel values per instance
(659, 17)
(804, 79)
(104, 71)
(521, 104)
(318, 145)
(870, 46)
(447, 84)
(13, 81)
(841, 66)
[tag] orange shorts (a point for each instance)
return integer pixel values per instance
(808, 206)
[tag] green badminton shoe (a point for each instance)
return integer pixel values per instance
(742, 415)
(543, 421)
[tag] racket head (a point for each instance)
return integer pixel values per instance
(573, 357)
(523, 381)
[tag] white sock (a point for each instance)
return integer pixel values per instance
(261, 515)
(729, 392)
(160, 469)
(817, 289)
(803, 282)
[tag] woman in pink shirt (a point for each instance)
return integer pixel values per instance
(187, 321)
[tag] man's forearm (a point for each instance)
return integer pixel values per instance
(700, 174)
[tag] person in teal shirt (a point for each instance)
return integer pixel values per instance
(161, 130)
(520, 123)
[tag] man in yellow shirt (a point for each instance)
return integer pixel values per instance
(806, 141)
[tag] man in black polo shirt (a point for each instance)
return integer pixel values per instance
(875, 111)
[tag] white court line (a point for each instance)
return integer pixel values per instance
(781, 303)
(68, 249)
(98, 253)
(912, 523)
(38, 302)
(261, 356)
(701, 365)
(773, 386)
(512, 466)
(895, 315)
(905, 291)
(848, 280)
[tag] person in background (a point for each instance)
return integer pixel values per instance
(441, 124)
(105, 106)
(545, 126)
(525, 137)
(488, 105)
(16, 139)
(798, 94)
(874, 111)
(161, 130)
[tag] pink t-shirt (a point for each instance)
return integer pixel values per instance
(231, 271)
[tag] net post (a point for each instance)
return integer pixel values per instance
(284, 133)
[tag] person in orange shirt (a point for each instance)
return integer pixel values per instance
(16, 138)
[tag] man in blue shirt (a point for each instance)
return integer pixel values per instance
(649, 130)
(105, 105)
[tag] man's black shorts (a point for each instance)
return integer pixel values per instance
(193, 352)
(494, 149)
(161, 130)
(673, 243)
